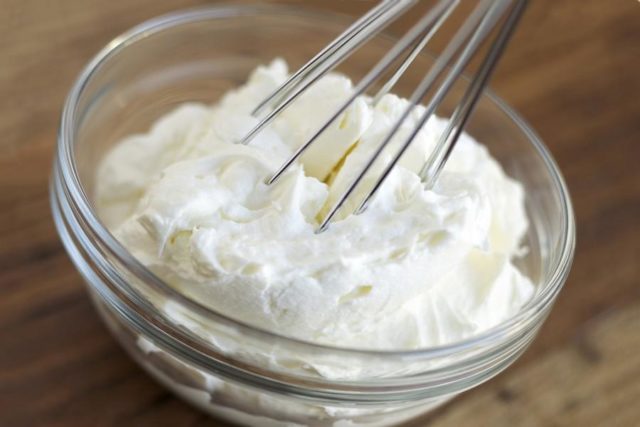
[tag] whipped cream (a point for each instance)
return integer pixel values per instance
(418, 268)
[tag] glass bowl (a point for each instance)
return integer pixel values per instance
(230, 369)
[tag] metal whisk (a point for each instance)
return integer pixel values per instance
(466, 41)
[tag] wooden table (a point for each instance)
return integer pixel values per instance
(573, 71)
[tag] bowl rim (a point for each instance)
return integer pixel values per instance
(66, 164)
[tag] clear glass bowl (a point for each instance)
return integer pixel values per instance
(197, 55)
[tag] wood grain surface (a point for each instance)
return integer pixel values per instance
(573, 71)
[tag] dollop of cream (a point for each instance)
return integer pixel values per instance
(418, 268)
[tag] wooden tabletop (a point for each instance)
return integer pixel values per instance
(573, 71)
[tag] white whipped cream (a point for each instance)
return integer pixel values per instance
(418, 268)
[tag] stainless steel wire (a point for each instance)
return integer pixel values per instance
(465, 43)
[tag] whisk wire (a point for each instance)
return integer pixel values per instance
(438, 158)
(488, 22)
(465, 44)
(376, 72)
(281, 93)
(386, 88)
(483, 11)
(301, 83)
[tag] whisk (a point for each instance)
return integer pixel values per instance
(467, 40)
